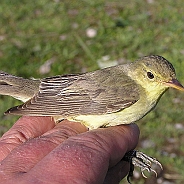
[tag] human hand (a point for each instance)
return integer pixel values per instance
(35, 150)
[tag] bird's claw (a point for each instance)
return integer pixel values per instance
(144, 162)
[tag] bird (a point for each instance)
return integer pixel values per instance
(115, 95)
(111, 96)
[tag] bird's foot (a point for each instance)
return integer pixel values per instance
(144, 162)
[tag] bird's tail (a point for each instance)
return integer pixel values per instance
(18, 87)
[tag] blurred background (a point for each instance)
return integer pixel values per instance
(51, 37)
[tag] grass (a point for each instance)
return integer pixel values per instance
(33, 32)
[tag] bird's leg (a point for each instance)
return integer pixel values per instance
(144, 162)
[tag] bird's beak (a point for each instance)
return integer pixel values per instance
(174, 83)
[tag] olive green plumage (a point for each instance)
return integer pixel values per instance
(116, 95)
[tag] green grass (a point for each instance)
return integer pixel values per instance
(33, 32)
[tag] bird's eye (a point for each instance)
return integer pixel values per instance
(150, 75)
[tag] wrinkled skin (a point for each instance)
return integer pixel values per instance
(35, 150)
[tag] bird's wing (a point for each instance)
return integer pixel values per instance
(99, 92)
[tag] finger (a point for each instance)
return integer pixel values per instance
(24, 129)
(28, 154)
(87, 157)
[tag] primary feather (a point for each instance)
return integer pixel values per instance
(93, 93)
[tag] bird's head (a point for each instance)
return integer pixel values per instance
(156, 74)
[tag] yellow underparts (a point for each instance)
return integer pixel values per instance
(126, 116)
